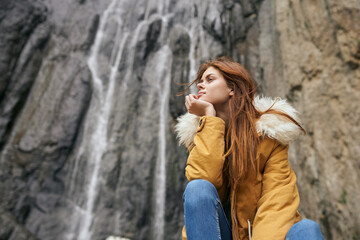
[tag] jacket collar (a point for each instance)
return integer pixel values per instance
(272, 125)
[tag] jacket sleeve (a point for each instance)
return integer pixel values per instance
(206, 157)
(279, 200)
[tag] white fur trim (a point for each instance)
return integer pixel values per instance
(186, 128)
(276, 126)
(272, 125)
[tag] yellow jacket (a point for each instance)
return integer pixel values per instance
(266, 208)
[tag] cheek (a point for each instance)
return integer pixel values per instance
(219, 96)
(222, 92)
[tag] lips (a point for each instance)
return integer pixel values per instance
(200, 94)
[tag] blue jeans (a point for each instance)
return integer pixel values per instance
(305, 229)
(205, 217)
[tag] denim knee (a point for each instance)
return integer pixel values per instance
(199, 191)
(306, 228)
(309, 225)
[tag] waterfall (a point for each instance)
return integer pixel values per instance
(95, 135)
(94, 143)
(163, 59)
(163, 86)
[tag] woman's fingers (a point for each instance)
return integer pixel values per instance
(192, 104)
(189, 99)
(187, 102)
(193, 96)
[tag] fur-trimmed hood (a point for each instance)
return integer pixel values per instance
(272, 125)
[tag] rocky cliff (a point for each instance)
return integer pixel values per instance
(88, 104)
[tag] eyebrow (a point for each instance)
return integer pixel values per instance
(207, 76)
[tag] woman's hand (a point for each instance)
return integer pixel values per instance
(199, 107)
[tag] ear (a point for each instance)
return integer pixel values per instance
(231, 93)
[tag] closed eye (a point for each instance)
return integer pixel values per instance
(208, 79)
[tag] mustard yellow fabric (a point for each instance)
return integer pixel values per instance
(269, 202)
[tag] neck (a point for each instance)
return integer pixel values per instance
(223, 112)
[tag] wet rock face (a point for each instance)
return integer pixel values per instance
(88, 104)
(23, 36)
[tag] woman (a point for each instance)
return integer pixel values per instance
(240, 183)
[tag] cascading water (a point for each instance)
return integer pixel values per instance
(98, 117)
(97, 120)
(163, 59)
(160, 179)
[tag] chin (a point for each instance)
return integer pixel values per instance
(202, 97)
(205, 100)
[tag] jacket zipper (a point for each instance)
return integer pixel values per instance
(234, 216)
(249, 229)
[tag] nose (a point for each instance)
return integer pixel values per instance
(200, 86)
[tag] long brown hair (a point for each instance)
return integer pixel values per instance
(242, 138)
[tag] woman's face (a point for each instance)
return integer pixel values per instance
(213, 88)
